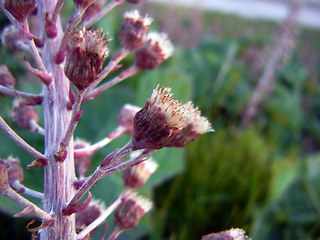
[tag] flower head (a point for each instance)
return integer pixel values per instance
(156, 49)
(93, 9)
(23, 115)
(13, 39)
(85, 54)
(6, 78)
(136, 176)
(15, 171)
(197, 125)
(132, 208)
(91, 213)
(126, 116)
(19, 9)
(82, 163)
(134, 30)
(232, 234)
(158, 121)
(4, 179)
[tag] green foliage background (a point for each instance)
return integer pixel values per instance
(264, 178)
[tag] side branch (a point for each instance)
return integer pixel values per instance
(15, 137)
(26, 97)
(10, 193)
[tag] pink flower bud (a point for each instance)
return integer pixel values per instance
(23, 115)
(6, 78)
(134, 30)
(91, 213)
(197, 125)
(13, 39)
(132, 208)
(15, 172)
(19, 9)
(136, 176)
(125, 118)
(50, 27)
(4, 179)
(156, 49)
(85, 54)
(232, 234)
(158, 121)
(82, 163)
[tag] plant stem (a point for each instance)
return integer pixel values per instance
(24, 96)
(15, 137)
(117, 155)
(58, 176)
(36, 128)
(23, 189)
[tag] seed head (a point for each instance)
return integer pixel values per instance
(125, 118)
(23, 115)
(134, 30)
(156, 49)
(136, 176)
(19, 9)
(82, 163)
(132, 208)
(85, 54)
(197, 125)
(158, 121)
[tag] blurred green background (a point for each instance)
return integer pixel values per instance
(264, 177)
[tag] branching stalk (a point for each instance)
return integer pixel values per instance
(15, 137)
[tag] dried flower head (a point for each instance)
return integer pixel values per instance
(13, 39)
(125, 118)
(82, 163)
(197, 125)
(4, 179)
(134, 30)
(23, 115)
(91, 213)
(156, 49)
(19, 9)
(15, 172)
(158, 121)
(232, 234)
(85, 54)
(6, 78)
(132, 208)
(136, 176)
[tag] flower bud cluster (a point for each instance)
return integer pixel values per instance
(130, 211)
(164, 121)
(85, 54)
